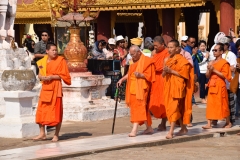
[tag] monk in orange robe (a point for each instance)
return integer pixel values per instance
(156, 105)
(217, 100)
(178, 76)
(52, 69)
(139, 78)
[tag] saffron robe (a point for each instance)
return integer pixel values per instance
(217, 100)
(156, 105)
(137, 90)
(50, 110)
(178, 91)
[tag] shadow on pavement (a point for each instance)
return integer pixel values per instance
(66, 136)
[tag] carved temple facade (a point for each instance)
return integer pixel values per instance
(170, 18)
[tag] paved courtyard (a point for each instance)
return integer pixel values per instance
(93, 140)
(82, 130)
(220, 148)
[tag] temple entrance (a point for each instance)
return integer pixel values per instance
(193, 19)
(137, 23)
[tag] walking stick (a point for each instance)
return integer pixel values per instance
(115, 111)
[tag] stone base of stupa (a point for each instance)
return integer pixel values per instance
(85, 99)
(18, 121)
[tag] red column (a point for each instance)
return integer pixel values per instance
(227, 15)
(104, 25)
(168, 24)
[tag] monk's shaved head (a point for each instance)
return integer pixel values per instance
(135, 53)
(135, 48)
(175, 42)
(173, 47)
(159, 44)
(159, 39)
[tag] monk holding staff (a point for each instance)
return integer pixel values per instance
(178, 76)
(52, 69)
(217, 100)
(156, 105)
(139, 78)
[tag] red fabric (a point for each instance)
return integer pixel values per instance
(49, 111)
(156, 105)
(50, 115)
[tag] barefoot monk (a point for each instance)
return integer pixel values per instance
(217, 100)
(178, 76)
(139, 78)
(52, 70)
(156, 105)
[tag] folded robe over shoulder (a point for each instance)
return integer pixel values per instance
(156, 105)
(49, 111)
(137, 91)
(217, 100)
(178, 91)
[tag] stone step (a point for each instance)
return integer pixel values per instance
(67, 149)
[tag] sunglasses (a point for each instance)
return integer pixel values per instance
(44, 35)
(122, 41)
(192, 42)
(214, 50)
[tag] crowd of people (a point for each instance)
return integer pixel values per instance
(118, 50)
(161, 80)
(163, 84)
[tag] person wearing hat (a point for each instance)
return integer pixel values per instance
(108, 51)
(120, 52)
(217, 37)
(184, 41)
(148, 47)
(232, 60)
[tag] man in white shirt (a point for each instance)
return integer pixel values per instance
(217, 38)
(232, 60)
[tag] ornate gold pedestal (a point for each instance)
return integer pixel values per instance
(75, 52)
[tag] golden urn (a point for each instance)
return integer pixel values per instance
(75, 51)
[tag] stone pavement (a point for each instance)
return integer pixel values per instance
(80, 147)
(80, 130)
(218, 148)
(79, 138)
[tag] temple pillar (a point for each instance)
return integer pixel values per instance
(227, 15)
(150, 22)
(168, 24)
(237, 16)
(104, 25)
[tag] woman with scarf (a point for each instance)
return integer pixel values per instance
(97, 51)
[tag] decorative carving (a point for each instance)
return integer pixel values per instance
(37, 12)
(26, 13)
(75, 52)
(129, 14)
(37, 6)
(142, 4)
(200, 33)
(7, 16)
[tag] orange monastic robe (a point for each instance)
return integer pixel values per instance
(156, 105)
(178, 91)
(50, 109)
(217, 100)
(137, 91)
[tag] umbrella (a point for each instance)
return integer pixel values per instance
(74, 17)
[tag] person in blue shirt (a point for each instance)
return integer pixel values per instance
(196, 54)
(232, 45)
(197, 58)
